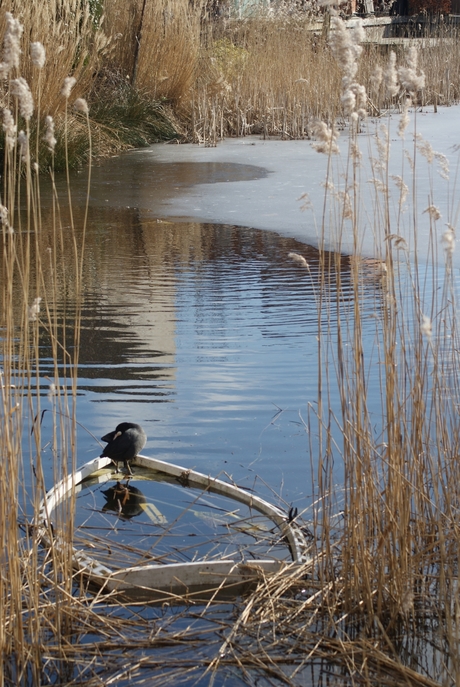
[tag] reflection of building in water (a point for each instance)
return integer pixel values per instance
(129, 290)
(133, 288)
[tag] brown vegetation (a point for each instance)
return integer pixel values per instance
(386, 559)
(271, 74)
(74, 45)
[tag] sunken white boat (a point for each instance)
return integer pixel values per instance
(208, 538)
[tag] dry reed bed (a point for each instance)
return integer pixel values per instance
(73, 40)
(397, 567)
(384, 577)
(276, 77)
(268, 74)
(29, 287)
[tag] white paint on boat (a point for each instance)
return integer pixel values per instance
(176, 582)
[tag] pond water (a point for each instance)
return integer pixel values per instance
(206, 335)
(153, 520)
(269, 178)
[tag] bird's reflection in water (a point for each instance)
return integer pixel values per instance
(125, 500)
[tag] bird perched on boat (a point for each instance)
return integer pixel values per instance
(124, 443)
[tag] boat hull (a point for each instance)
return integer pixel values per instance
(187, 582)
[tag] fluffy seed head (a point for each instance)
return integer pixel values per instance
(348, 99)
(37, 54)
(383, 145)
(403, 189)
(51, 391)
(408, 76)
(347, 210)
(20, 89)
(426, 327)
(379, 185)
(448, 239)
(399, 241)
(425, 148)
(23, 143)
(443, 164)
(3, 214)
(377, 78)
(4, 220)
(326, 138)
(412, 57)
(49, 133)
(404, 118)
(11, 45)
(10, 129)
(355, 152)
(34, 309)
(299, 259)
(390, 77)
(69, 83)
(433, 212)
(80, 105)
(346, 48)
(409, 159)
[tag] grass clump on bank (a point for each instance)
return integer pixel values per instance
(130, 117)
(122, 114)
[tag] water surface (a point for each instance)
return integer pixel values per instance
(207, 335)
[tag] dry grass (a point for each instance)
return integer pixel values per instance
(440, 63)
(29, 287)
(275, 76)
(73, 42)
(396, 573)
(156, 45)
(263, 76)
(271, 74)
(77, 44)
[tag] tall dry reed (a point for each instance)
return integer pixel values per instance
(270, 73)
(265, 75)
(396, 572)
(386, 566)
(382, 606)
(273, 74)
(35, 590)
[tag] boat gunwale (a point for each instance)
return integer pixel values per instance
(172, 578)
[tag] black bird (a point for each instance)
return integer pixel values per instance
(124, 443)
